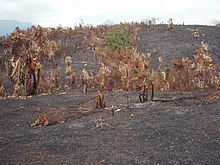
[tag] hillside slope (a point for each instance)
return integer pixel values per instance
(179, 42)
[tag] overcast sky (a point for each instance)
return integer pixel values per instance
(71, 12)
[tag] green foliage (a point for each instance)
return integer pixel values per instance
(117, 38)
(150, 79)
(160, 72)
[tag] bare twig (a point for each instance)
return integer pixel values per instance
(100, 122)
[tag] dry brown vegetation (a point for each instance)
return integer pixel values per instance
(27, 53)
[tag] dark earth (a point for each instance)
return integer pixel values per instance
(176, 127)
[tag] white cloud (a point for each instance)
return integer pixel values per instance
(67, 12)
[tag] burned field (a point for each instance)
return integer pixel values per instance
(84, 106)
(180, 130)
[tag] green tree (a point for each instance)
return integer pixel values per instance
(117, 38)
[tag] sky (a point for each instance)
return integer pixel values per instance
(52, 13)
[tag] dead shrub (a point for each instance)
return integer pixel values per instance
(2, 91)
(189, 75)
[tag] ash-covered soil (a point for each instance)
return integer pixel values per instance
(179, 42)
(175, 128)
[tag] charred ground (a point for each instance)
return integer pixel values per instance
(184, 130)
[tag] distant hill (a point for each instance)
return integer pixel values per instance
(8, 26)
(108, 22)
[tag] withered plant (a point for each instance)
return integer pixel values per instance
(121, 66)
(2, 91)
(86, 79)
(70, 75)
(27, 51)
(170, 24)
(198, 74)
(100, 100)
